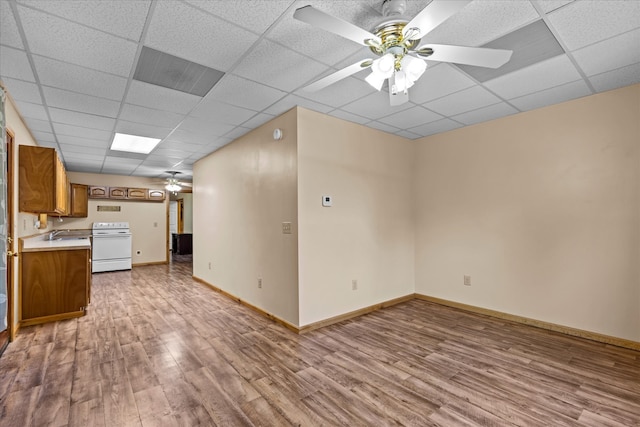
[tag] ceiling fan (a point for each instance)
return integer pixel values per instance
(173, 185)
(396, 43)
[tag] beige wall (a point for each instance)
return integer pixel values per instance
(542, 209)
(147, 220)
(242, 193)
(367, 235)
(187, 215)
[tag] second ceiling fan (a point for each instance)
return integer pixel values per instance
(396, 43)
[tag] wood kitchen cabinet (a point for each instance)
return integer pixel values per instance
(156, 195)
(117, 193)
(43, 181)
(136, 193)
(55, 285)
(98, 192)
(78, 201)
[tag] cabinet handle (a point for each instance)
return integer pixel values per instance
(11, 253)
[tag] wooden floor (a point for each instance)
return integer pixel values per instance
(157, 348)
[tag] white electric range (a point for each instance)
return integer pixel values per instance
(111, 248)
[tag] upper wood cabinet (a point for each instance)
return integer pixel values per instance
(43, 181)
(125, 193)
(117, 193)
(156, 195)
(136, 193)
(79, 203)
(98, 192)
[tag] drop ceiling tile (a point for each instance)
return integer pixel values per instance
(553, 95)
(80, 102)
(38, 125)
(122, 18)
(485, 114)
(259, 16)
(463, 101)
(167, 33)
(617, 78)
(438, 126)
(188, 141)
(83, 167)
(31, 110)
(610, 54)
(482, 21)
(290, 101)
(551, 5)
(245, 93)
(314, 42)
(350, 117)
(142, 129)
(276, 66)
(258, 120)
(383, 127)
(204, 127)
(118, 170)
(15, 64)
(438, 81)
(43, 137)
(237, 132)
(161, 98)
(82, 141)
(79, 79)
(69, 42)
(341, 92)
(374, 106)
(220, 112)
(585, 22)
(408, 135)
(81, 119)
(543, 75)
(9, 34)
(411, 117)
(83, 149)
(81, 132)
(70, 156)
(149, 116)
(121, 161)
(23, 91)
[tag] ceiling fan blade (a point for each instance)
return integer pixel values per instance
(433, 15)
(478, 56)
(345, 29)
(338, 75)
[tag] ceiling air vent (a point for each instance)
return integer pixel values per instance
(169, 71)
(530, 44)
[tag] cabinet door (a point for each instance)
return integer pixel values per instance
(136, 193)
(98, 192)
(156, 195)
(117, 193)
(62, 188)
(37, 178)
(53, 282)
(79, 201)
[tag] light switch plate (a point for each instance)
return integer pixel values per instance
(327, 201)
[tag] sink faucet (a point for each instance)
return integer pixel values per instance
(53, 234)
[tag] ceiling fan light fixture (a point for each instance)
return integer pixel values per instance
(375, 80)
(173, 187)
(413, 67)
(384, 65)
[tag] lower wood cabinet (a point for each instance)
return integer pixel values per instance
(55, 285)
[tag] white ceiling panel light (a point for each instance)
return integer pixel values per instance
(133, 143)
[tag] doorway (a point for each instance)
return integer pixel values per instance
(6, 241)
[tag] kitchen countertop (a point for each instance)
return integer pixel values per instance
(38, 243)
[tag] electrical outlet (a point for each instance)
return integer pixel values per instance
(259, 283)
(286, 228)
(354, 285)
(467, 280)
(209, 266)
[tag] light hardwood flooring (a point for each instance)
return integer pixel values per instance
(157, 348)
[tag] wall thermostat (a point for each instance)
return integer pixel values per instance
(277, 134)
(327, 201)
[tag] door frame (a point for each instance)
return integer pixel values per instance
(10, 240)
